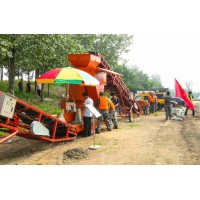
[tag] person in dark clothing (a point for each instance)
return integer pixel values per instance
(87, 115)
(20, 86)
(190, 95)
(28, 87)
(38, 87)
(168, 105)
(116, 102)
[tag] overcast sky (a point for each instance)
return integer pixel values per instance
(168, 55)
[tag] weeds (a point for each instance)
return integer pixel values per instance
(134, 125)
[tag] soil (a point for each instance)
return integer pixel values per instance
(148, 140)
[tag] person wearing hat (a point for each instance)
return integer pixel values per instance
(87, 115)
(113, 113)
(103, 104)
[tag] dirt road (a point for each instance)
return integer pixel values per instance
(150, 140)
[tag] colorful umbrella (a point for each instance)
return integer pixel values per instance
(68, 75)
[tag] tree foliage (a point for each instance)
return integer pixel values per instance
(22, 53)
(189, 85)
(110, 46)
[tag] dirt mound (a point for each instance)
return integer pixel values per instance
(76, 153)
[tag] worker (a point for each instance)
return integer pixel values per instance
(116, 101)
(136, 108)
(87, 115)
(151, 102)
(20, 86)
(28, 87)
(155, 102)
(39, 87)
(168, 106)
(190, 95)
(103, 104)
(145, 107)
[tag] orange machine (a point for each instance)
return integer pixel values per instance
(94, 64)
(21, 119)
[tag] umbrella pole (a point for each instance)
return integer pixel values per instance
(93, 147)
(67, 92)
(93, 129)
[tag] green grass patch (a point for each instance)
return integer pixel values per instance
(2, 133)
(50, 104)
(98, 143)
(157, 114)
(102, 149)
(134, 125)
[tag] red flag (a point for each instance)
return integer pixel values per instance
(179, 92)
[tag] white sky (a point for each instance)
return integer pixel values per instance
(168, 55)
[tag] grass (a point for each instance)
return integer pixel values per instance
(157, 114)
(134, 125)
(102, 149)
(50, 103)
(3, 132)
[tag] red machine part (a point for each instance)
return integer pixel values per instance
(25, 114)
(59, 130)
(93, 63)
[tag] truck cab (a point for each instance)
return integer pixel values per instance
(144, 97)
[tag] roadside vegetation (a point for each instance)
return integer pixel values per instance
(50, 104)
(23, 54)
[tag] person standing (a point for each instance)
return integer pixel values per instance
(168, 106)
(155, 102)
(39, 87)
(151, 101)
(21, 86)
(190, 95)
(87, 115)
(103, 104)
(113, 114)
(145, 107)
(28, 87)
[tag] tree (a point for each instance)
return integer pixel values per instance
(134, 78)
(156, 82)
(110, 46)
(189, 85)
(21, 54)
(45, 52)
(24, 53)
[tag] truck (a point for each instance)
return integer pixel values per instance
(143, 96)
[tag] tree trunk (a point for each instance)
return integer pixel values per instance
(31, 76)
(1, 74)
(48, 89)
(42, 93)
(11, 73)
(28, 76)
(36, 76)
(18, 73)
